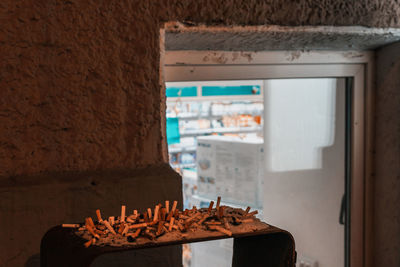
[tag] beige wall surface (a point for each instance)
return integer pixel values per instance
(79, 91)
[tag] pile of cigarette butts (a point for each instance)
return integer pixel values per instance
(152, 224)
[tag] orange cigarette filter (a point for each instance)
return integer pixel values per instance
(156, 211)
(90, 229)
(247, 211)
(174, 205)
(218, 202)
(171, 223)
(203, 219)
(109, 227)
(121, 228)
(163, 213)
(210, 207)
(123, 209)
(213, 223)
(159, 228)
(167, 205)
(70, 225)
(139, 225)
(98, 214)
(125, 231)
(226, 224)
(221, 229)
(252, 213)
(89, 221)
(149, 212)
(136, 234)
(88, 243)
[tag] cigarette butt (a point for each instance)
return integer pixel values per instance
(111, 220)
(149, 234)
(252, 213)
(156, 209)
(221, 230)
(109, 227)
(149, 212)
(167, 205)
(90, 229)
(246, 211)
(203, 219)
(135, 212)
(97, 231)
(123, 208)
(193, 217)
(226, 224)
(139, 225)
(247, 220)
(210, 207)
(152, 223)
(165, 229)
(171, 223)
(180, 226)
(82, 228)
(146, 217)
(163, 213)
(159, 228)
(121, 228)
(213, 223)
(125, 231)
(150, 228)
(93, 241)
(218, 203)
(172, 213)
(131, 218)
(136, 234)
(174, 206)
(98, 215)
(89, 221)
(70, 225)
(88, 243)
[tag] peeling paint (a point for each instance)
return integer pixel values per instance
(247, 55)
(352, 54)
(293, 55)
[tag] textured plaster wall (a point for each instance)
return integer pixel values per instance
(387, 158)
(79, 79)
(79, 91)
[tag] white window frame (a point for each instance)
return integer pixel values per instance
(192, 66)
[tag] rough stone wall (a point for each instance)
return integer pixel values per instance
(79, 87)
(387, 158)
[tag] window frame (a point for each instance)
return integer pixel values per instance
(223, 65)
